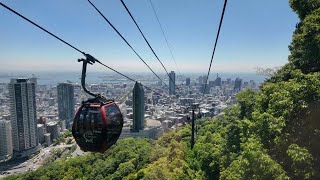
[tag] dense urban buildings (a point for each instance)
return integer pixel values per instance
(205, 88)
(147, 114)
(66, 102)
(23, 117)
(172, 82)
(138, 107)
(6, 148)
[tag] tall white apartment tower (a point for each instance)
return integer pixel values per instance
(23, 116)
(5, 140)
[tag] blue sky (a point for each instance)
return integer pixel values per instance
(254, 33)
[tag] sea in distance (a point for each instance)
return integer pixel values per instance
(53, 78)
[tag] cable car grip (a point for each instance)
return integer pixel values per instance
(98, 98)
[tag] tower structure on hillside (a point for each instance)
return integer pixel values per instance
(66, 103)
(172, 82)
(138, 107)
(23, 117)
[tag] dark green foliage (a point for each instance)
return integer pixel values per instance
(127, 156)
(62, 138)
(301, 162)
(272, 134)
(305, 45)
(254, 163)
(304, 7)
(246, 101)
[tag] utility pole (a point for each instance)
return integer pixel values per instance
(194, 106)
(192, 129)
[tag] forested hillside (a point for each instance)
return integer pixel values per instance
(271, 134)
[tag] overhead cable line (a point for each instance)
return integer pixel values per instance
(215, 44)
(164, 35)
(73, 47)
(145, 39)
(125, 41)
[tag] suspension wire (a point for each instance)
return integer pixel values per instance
(125, 40)
(164, 35)
(115, 71)
(73, 47)
(127, 77)
(215, 44)
(145, 39)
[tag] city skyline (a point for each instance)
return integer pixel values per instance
(191, 44)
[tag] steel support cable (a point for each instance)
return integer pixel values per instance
(125, 40)
(126, 76)
(43, 29)
(215, 44)
(115, 71)
(169, 47)
(145, 39)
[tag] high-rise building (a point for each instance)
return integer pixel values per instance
(41, 132)
(66, 102)
(229, 81)
(187, 81)
(200, 79)
(62, 124)
(211, 83)
(52, 128)
(35, 81)
(23, 117)
(47, 138)
(237, 84)
(138, 107)
(245, 84)
(51, 101)
(172, 82)
(205, 88)
(218, 80)
(252, 84)
(204, 80)
(6, 148)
